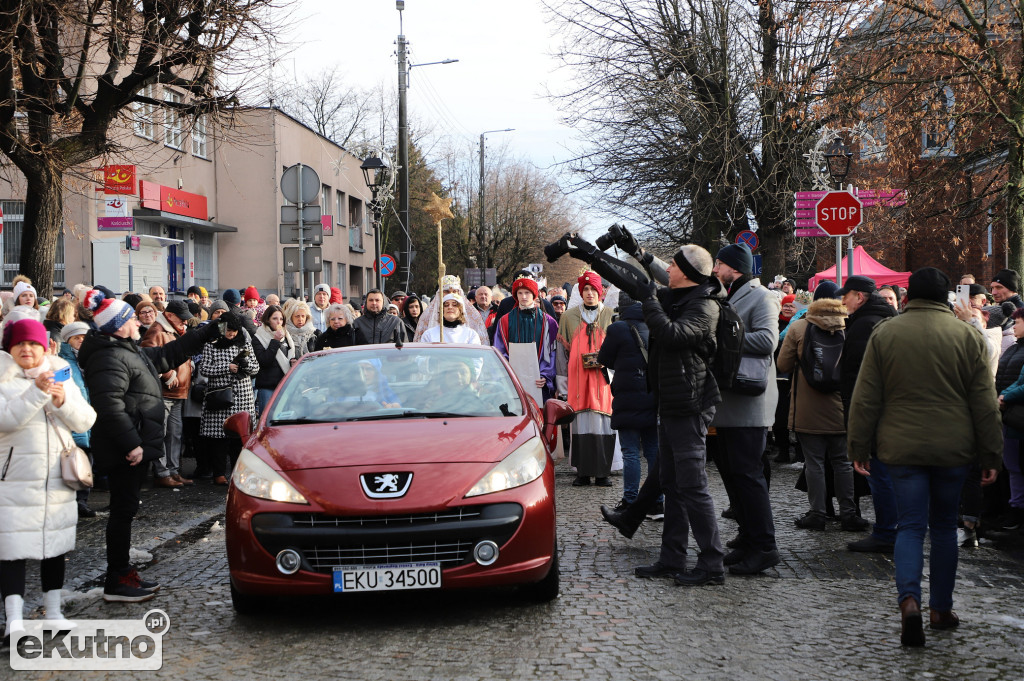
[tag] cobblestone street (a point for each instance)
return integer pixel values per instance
(825, 613)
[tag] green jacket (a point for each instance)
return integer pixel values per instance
(925, 393)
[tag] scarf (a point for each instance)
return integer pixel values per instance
(525, 326)
(284, 353)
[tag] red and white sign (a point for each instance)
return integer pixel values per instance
(806, 201)
(327, 222)
(839, 213)
(170, 200)
(1, 221)
(119, 179)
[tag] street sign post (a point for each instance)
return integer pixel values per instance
(310, 259)
(300, 184)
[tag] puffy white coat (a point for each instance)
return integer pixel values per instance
(38, 512)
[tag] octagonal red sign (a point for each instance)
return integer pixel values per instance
(839, 213)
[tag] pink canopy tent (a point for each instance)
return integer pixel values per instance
(865, 265)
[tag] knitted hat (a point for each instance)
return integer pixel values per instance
(561, 299)
(316, 289)
(73, 329)
(524, 282)
(625, 300)
(336, 296)
(230, 296)
(1008, 278)
(452, 296)
(788, 299)
(592, 278)
(252, 293)
(826, 289)
(203, 293)
(194, 289)
(132, 299)
(109, 314)
(738, 257)
(690, 269)
(929, 283)
(24, 330)
(23, 287)
(398, 294)
(219, 305)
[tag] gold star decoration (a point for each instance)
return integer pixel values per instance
(438, 208)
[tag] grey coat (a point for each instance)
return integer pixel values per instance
(759, 309)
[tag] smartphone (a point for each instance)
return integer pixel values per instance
(223, 328)
(963, 295)
(61, 375)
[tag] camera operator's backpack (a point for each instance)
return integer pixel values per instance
(725, 365)
(819, 360)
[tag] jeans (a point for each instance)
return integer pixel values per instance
(883, 498)
(125, 484)
(631, 441)
(1014, 463)
(263, 396)
(739, 461)
(170, 462)
(928, 499)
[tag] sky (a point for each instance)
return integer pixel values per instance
(504, 69)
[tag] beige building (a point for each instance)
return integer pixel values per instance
(205, 206)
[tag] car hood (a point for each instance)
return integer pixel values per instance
(386, 443)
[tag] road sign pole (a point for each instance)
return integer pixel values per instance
(839, 261)
(302, 241)
(849, 245)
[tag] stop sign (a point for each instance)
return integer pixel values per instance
(839, 213)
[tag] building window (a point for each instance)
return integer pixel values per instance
(325, 199)
(10, 245)
(339, 215)
(202, 253)
(326, 272)
(199, 137)
(342, 279)
(873, 148)
(145, 114)
(355, 219)
(938, 126)
(172, 120)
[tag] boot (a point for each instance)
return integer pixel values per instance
(14, 605)
(912, 632)
(51, 604)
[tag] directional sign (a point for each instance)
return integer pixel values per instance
(290, 214)
(312, 261)
(839, 213)
(312, 233)
(806, 201)
(758, 265)
(386, 265)
(749, 238)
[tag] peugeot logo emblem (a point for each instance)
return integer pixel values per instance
(385, 485)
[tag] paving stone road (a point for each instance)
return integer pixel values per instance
(824, 613)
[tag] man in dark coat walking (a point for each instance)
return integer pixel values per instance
(125, 390)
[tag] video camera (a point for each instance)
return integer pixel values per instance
(625, 276)
(617, 235)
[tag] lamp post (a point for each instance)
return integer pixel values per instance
(485, 245)
(837, 160)
(404, 69)
(375, 174)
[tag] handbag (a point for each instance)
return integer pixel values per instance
(220, 398)
(752, 377)
(1013, 416)
(197, 393)
(75, 469)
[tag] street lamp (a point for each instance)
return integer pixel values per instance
(375, 174)
(485, 246)
(837, 159)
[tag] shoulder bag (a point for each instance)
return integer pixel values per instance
(75, 468)
(752, 377)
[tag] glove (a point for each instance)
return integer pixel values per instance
(645, 291)
(582, 249)
(210, 332)
(625, 240)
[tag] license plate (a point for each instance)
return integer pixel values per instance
(387, 577)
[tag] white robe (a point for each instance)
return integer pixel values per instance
(460, 334)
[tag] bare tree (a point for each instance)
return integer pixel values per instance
(343, 113)
(69, 70)
(696, 113)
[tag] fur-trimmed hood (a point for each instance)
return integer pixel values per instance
(828, 314)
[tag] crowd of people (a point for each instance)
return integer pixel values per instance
(884, 391)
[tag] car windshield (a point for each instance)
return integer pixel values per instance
(389, 383)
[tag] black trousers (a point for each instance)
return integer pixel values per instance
(125, 484)
(740, 461)
(221, 454)
(12, 575)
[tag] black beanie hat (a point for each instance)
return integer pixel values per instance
(826, 289)
(928, 283)
(738, 257)
(1008, 278)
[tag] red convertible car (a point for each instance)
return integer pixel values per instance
(380, 468)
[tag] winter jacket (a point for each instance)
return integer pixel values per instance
(812, 411)
(380, 327)
(272, 356)
(759, 309)
(682, 325)
(161, 333)
(215, 367)
(67, 353)
(337, 338)
(925, 393)
(633, 404)
(38, 512)
(125, 389)
(318, 318)
(1011, 362)
(859, 326)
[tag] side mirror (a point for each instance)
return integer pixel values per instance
(240, 424)
(556, 413)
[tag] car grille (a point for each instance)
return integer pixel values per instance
(451, 515)
(326, 558)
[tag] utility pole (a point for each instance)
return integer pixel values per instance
(486, 254)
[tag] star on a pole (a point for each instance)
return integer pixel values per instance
(438, 208)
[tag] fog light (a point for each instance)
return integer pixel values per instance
(289, 562)
(486, 552)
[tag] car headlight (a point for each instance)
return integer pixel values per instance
(524, 465)
(255, 477)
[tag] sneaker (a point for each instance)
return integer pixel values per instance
(142, 583)
(658, 569)
(124, 589)
(657, 511)
(810, 521)
(970, 540)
